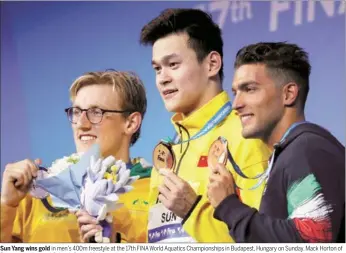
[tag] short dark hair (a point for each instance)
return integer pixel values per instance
(204, 34)
(284, 61)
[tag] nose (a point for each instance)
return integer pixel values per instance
(163, 78)
(83, 121)
(238, 102)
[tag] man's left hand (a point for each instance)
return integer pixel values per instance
(176, 194)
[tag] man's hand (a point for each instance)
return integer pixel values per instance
(17, 180)
(88, 225)
(221, 185)
(176, 194)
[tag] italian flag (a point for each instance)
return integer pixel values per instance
(309, 210)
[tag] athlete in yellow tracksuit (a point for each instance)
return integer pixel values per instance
(251, 155)
(187, 57)
(33, 222)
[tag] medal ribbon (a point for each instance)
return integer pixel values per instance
(265, 175)
(220, 115)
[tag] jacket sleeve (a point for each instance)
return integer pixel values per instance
(8, 215)
(247, 225)
(201, 224)
(13, 227)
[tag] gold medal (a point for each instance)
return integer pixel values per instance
(217, 153)
(163, 156)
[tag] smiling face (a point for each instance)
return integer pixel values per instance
(109, 133)
(180, 78)
(258, 100)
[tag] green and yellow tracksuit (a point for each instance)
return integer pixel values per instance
(31, 221)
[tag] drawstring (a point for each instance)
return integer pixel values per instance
(181, 146)
(181, 134)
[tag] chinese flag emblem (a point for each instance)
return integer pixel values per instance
(203, 161)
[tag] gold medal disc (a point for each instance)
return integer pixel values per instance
(163, 156)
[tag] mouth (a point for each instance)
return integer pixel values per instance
(87, 138)
(245, 118)
(169, 93)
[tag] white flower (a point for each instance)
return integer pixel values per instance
(63, 163)
(106, 180)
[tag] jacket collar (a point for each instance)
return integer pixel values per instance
(195, 121)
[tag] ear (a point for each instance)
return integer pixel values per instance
(290, 93)
(214, 63)
(133, 123)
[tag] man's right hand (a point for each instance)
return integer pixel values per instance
(17, 180)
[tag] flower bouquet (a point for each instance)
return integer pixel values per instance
(86, 181)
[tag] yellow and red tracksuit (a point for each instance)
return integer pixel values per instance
(251, 155)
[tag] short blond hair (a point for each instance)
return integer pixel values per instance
(128, 85)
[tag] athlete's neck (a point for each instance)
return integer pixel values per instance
(123, 153)
(207, 96)
(281, 127)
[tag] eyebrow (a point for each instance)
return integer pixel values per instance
(90, 106)
(243, 85)
(166, 58)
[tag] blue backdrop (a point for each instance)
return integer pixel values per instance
(46, 45)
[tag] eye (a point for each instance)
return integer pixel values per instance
(250, 89)
(173, 64)
(75, 111)
(96, 111)
(156, 68)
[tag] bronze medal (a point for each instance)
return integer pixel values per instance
(163, 156)
(217, 153)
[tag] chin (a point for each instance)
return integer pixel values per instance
(253, 133)
(82, 147)
(81, 150)
(172, 107)
(248, 133)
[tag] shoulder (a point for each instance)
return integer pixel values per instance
(313, 146)
(140, 167)
(312, 154)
